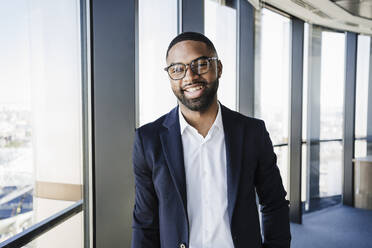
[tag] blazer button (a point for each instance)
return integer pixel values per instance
(182, 246)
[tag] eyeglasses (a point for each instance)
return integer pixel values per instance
(198, 66)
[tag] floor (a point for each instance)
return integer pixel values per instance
(335, 227)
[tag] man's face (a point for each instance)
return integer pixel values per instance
(196, 92)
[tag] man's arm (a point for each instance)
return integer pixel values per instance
(145, 213)
(271, 193)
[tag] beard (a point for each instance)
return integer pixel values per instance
(203, 102)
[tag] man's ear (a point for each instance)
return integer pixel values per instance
(219, 69)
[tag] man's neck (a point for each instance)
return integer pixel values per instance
(201, 121)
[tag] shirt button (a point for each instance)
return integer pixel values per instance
(182, 246)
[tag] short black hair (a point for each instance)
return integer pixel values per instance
(192, 36)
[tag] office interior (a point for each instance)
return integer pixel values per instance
(78, 77)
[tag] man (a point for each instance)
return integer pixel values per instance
(197, 168)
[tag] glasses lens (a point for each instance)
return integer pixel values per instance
(177, 71)
(200, 66)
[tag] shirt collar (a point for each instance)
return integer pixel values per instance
(217, 122)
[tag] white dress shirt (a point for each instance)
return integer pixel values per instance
(206, 185)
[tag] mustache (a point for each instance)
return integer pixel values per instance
(202, 83)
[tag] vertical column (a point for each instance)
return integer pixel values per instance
(113, 95)
(369, 109)
(349, 116)
(245, 57)
(191, 16)
(295, 122)
(313, 113)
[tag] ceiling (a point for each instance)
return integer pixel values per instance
(349, 15)
(362, 8)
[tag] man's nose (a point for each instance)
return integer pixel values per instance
(190, 75)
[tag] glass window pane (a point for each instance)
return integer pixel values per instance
(330, 170)
(40, 112)
(156, 30)
(220, 28)
(332, 85)
(360, 148)
(304, 174)
(67, 231)
(305, 81)
(323, 105)
(272, 95)
(361, 103)
(282, 161)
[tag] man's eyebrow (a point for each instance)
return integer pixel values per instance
(203, 56)
(174, 63)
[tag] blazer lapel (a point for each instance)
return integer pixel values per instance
(173, 152)
(234, 133)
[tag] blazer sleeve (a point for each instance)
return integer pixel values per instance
(145, 214)
(271, 193)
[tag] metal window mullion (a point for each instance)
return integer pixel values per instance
(245, 57)
(349, 117)
(295, 122)
(86, 123)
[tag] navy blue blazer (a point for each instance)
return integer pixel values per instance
(160, 212)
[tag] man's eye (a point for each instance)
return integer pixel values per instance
(202, 62)
(176, 69)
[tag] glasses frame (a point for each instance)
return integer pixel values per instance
(189, 66)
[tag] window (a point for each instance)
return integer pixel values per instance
(156, 30)
(220, 28)
(272, 91)
(361, 102)
(331, 113)
(322, 162)
(40, 115)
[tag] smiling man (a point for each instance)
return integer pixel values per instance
(197, 169)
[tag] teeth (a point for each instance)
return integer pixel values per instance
(194, 89)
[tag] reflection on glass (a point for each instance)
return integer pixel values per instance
(40, 111)
(274, 74)
(332, 85)
(156, 30)
(220, 28)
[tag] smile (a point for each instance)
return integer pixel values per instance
(193, 89)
